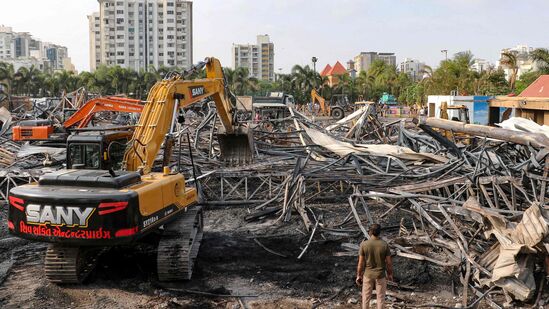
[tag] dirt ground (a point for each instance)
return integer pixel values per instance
(230, 262)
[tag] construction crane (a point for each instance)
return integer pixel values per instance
(43, 130)
(82, 212)
(332, 109)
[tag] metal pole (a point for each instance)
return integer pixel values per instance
(192, 162)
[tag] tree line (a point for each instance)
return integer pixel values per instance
(453, 75)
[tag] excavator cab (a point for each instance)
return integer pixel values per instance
(97, 150)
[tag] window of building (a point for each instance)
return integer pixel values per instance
(119, 11)
(170, 28)
(120, 28)
(120, 21)
(171, 20)
(120, 53)
(120, 44)
(131, 54)
(160, 54)
(170, 37)
(169, 4)
(120, 61)
(170, 12)
(120, 36)
(119, 2)
(170, 44)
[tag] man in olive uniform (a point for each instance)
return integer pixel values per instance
(375, 266)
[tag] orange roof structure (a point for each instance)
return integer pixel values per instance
(539, 88)
(338, 69)
(326, 70)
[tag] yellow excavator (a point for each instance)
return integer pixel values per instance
(332, 109)
(82, 212)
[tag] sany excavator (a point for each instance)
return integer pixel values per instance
(82, 212)
(43, 130)
(331, 109)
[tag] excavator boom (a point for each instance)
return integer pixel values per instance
(82, 117)
(162, 105)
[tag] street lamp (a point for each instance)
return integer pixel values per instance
(445, 51)
(314, 60)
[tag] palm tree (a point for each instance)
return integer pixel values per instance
(7, 73)
(509, 60)
(541, 57)
(304, 79)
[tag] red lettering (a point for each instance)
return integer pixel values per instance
(41, 230)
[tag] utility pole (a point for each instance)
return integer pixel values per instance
(445, 51)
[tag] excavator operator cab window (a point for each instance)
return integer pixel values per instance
(116, 154)
(84, 156)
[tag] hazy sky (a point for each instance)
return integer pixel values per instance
(328, 29)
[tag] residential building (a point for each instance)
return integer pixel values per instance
(524, 59)
(414, 68)
(257, 58)
(23, 50)
(333, 73)
(481, 65)
(138, 34)
(364, 60)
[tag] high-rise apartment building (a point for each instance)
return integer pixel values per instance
(257, 58)
(525, 62)
(481, 65)
(138, 34)
(22, 50)
(364, 60)
(413, 68)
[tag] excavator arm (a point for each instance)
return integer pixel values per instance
(84, 115)
(159, 114)
(316, 97)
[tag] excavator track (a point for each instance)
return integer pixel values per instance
(69, 265)
(179, 245)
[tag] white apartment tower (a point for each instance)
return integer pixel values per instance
(413, 68)
(23, 50)
(257, 58)
(138, 34)
(364, 60)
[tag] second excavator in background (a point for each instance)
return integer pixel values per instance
(82, 212)
(335, 108)
(44, 130)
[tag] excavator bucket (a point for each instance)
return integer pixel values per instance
(238, 147)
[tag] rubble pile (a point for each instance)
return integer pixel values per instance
(475, 200)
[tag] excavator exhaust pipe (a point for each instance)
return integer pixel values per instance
(236, 148)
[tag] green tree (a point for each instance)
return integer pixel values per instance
(526, 79)
(541, 56)
(509, 60)
(7, 77)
